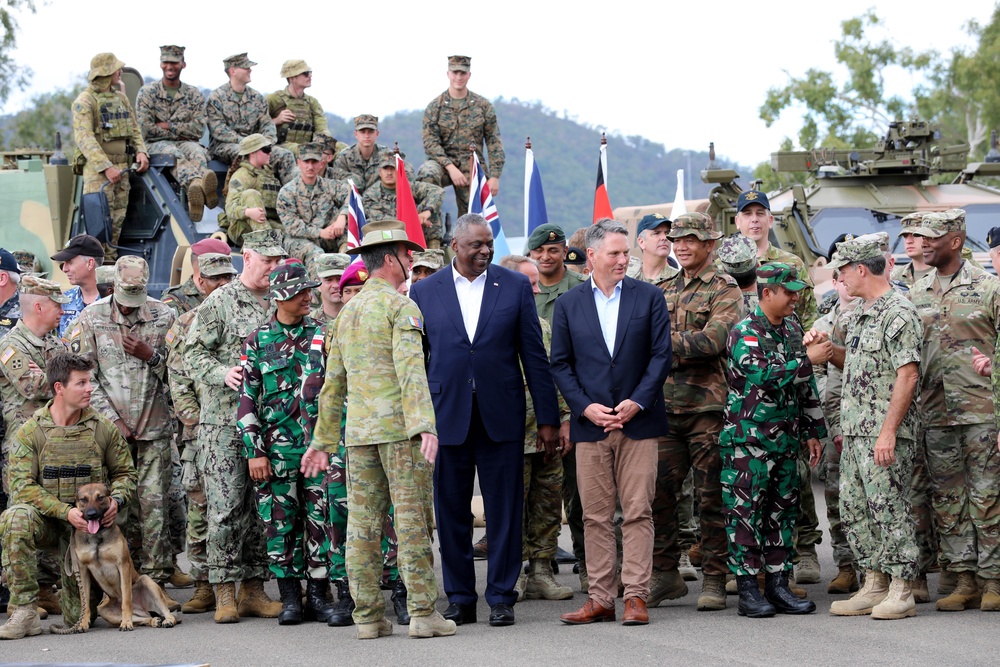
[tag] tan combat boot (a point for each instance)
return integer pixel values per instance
(542, 585)
(225, 597)
(947, 582)
(196, 200)
(253, 601)
(899, 603)
(42, 614)
(521, 586)
(966, 595)
(180, 578)
(203, 599)
(665, 585)
(210, 186)
(846, 581)
(23, 622)
(48, 600)
(713, 593)
(807, 571)
(732, 587)
(434, 625)
(380, 628)
(875, 590)
(918, 587)
(991, 595)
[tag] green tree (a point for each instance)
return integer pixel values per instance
(12, 75)
(37, 124)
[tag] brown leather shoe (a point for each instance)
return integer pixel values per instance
(591, 612)
(635, 612)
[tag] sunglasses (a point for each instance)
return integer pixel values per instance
(266, 150)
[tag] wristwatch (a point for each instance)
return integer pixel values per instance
(154, 360)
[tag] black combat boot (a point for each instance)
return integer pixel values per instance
(752, 603)
(399, 602)
(290, 591)
(784, 600)
(318, 608)
(342, 611)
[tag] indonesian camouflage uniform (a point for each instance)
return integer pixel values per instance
(236, 544)
(772, 408)
(449, 126)
(128, 388)
(379, 203)
(182, 298)
(956, 407)
(309, 124)
(806, 308)
(304, 211)
(47, 464)
(390, 406)
(252, 187)
(184, 109)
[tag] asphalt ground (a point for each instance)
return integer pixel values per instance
(676, 635)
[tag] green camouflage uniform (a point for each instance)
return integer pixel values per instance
(806, 309)
(304, 211)
(390, 406)
(772, 408)
(309, 124)
(236, 545)
(43, 492)
(635, 271)
(545, 300)
(882, 337)
(127, 388)
(184, 110)
(379, 203)
(252, 187)
(702, 309)
(957, 411)
(449, 126)
(350, 164)
(182, 298)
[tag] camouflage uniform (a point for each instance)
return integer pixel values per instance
(545, 301)
(905, 274)
(71, 309)
(252, 187)
(10, 313)
(309, 124)
(184, 110)
(379, 203)
(350, 164)
(182, 298)
(94, 451)
(806, 309)
(635, 271)
(390, 405)
(304, 211)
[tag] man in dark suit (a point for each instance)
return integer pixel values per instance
(610, 366)
(482, 328)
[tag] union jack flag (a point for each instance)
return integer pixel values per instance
(481, 202)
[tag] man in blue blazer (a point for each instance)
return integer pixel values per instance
(610, 356)
(482, 328)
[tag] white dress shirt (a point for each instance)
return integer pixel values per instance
(607, 313)
(470, 299)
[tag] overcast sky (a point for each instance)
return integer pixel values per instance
(680, 74)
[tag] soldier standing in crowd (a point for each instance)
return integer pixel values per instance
(298, 117)
(379, 200)
(427, 263)
(880, 428)
(108, 136)
(360, 162)
(171, 115)
(214, 271)
(10, 276)
(79, 260)
(916, 268)
(252, 199)
(772, 410)
(188, 295)
(236, 545)
(454, 120)
(738, 257)
(329, 267)
(656, 264)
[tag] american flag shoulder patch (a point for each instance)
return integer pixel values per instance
(7, 354)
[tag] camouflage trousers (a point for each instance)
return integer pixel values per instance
(760, 492)
(307, 250)
(176, 504)
(573, 507)
(542, 506)
(842, 554)
(875, 507)
(431, 171)
(921, 500)
(282, 160)
(377, 475)
(293, 509)
(687, 525)
(117, 195)
(191, 159)
(692, 444)
(197, 510)
(807, 532)
(149, 516)
(236, 545)
(964, 467)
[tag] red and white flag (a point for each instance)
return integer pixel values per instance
(406, 207)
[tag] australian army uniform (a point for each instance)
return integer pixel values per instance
(107, 134)
(252, 187)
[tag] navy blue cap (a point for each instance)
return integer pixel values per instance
(752, 197)
(7, 262)
(652, 221)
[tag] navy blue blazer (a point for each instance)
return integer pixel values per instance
(508, 332)
(585, 373)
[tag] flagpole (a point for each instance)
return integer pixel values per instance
(472, 170)
(529, 158)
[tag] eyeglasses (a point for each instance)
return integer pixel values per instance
(266, 150)
(309, 73)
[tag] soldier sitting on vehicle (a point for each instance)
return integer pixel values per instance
(252, 190)
(298, 117)
(379, 200)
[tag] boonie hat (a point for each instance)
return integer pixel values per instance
(700, 225)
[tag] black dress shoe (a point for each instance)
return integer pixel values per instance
(462, 613)
(501, 614)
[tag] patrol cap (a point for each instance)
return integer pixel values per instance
(171, 54)
(752, 197)
(266, 242)
(7, 261)
(238, 60)
(386, 158)
(652, 221)
(295, 67)
(700, 225)
(356, 274)
(878, 237)
(81, 244)
(366, 121)
(936, 225)
(384, 232)
(25, 260)
(42, 287)
(459, 63)
(253, 143)
(210, 245)
(778, 273)
(575, 256)
(288, 280)
(432, 258)
(545, 234)
(105, 274)
(213, 264)
(993, 237)
(131, 278)
(855, 250)
(311, 151)
(104, 64)
(738, 254)
(911, 223)
(331, 264)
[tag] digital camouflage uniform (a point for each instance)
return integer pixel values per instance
(772, 408)
(184, 109)
(304, 211)
(182, 298)
(350, 164)
(252, 187)
(905, 274)
(390, 406)
(309, 124)
(379, 203)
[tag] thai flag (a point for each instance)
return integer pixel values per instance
(534, 196)
(355, 217)
(481, 203)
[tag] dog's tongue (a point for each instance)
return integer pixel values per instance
(93, 526)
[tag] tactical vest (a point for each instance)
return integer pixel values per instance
(268, 186)
(115, 125)
(300, 130)
(68, 458)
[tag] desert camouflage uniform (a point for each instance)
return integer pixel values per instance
(349, 164)
(379, 203)
(127, 388)
(184, 110)
(882, 337)
(304, 211)
(252, 187)
(772, 408)
(703, 309)
(390, 406)
(37, 517)
(182, 298)
(232, 118)
(449, 126)
(236, 544)
(309, 124)
(957, 411)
